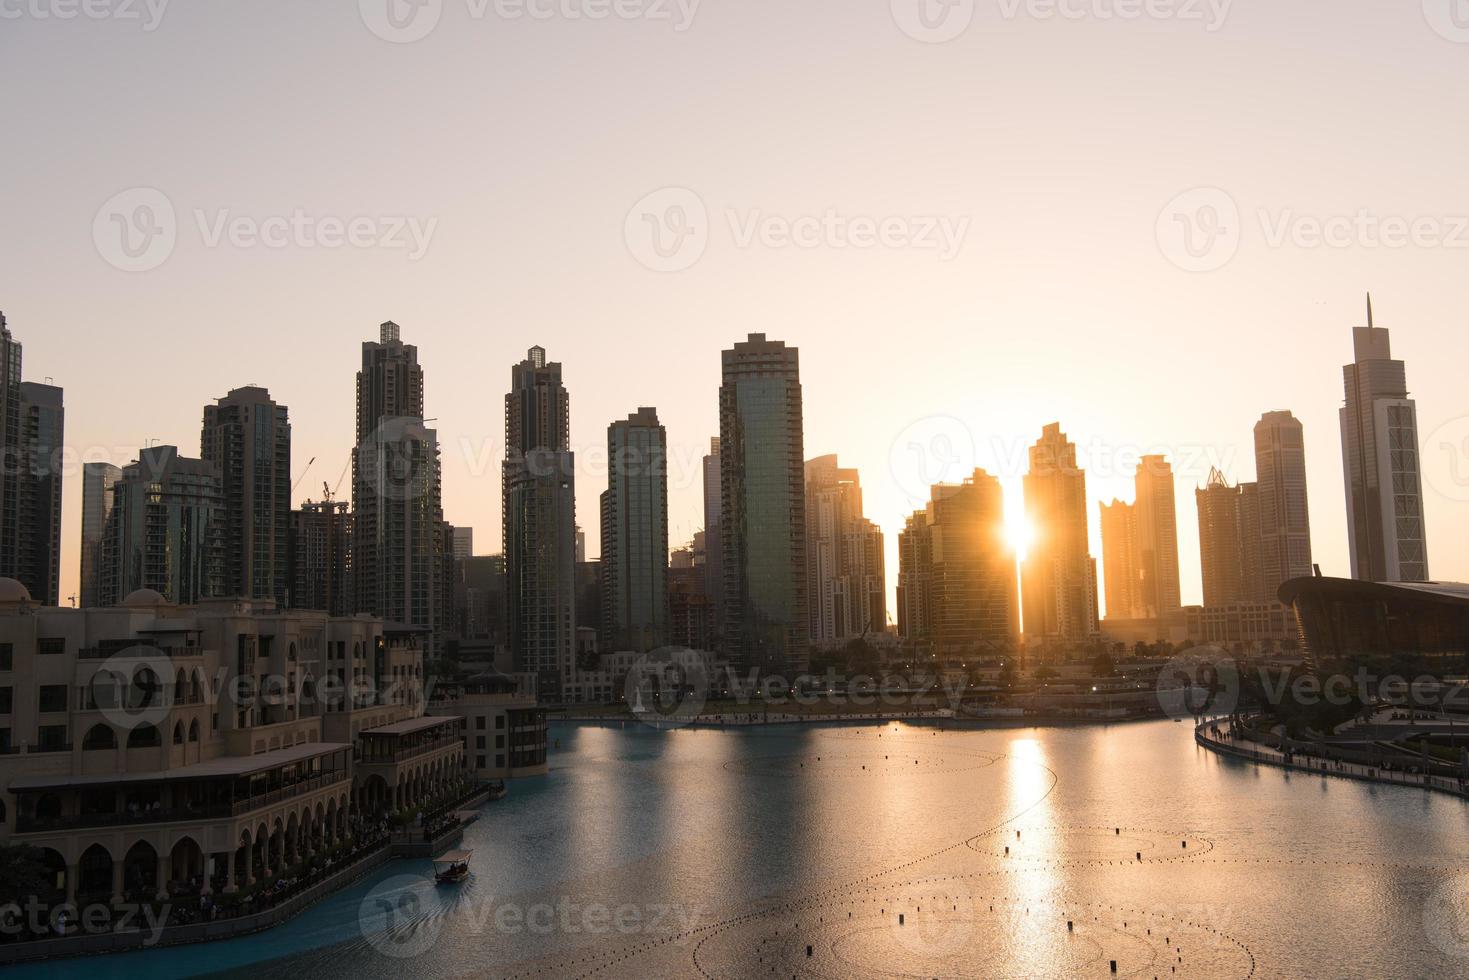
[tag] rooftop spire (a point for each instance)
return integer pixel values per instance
(1369, 311)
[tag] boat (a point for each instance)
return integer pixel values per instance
(451, 867)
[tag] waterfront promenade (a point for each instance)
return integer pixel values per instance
(1220, 736)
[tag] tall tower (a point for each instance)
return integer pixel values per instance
(964, 569)
(97, 482)
(247, 436)
(11, 449)
(38, 490)
(166, 530)
(1285, 524)
(635, 534)
(1059, 578)
(713, 540)
(1379, 440)
(397, 502)
(845, 581)
(1120, 572)
(1157, 539)
(763, 508)
(1221, 555)
(539, 508)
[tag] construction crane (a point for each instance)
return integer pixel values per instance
(303, 474)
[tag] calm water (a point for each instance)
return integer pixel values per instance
(727, 853)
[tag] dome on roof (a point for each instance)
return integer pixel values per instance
(13, 591)
(144, 599)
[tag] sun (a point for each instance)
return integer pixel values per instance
(1019, 532)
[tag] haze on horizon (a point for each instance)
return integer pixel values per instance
(1064, 298)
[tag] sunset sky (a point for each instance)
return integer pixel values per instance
(1068, 178)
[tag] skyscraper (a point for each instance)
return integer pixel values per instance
(762, 519)
(321, 557)
(397, 509)
(463, 543)
(1285, 524)
(1120, 572)
(97, 483)
(1059, 577)
(539, 508)
(247, 436)
(635, 535)
(166, 530)
(957, 571)
(1221, 545)
(1157, 539)
(1379, 439)
(38, 489)
(713, 541)
(11, 452)
(844, 557)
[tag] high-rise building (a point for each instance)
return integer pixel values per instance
(539, 509)
(1121, 576)
(635, 535)
(957, 571)
(97, 483)
(398, 543)
(1157, 539)
(1059, 576)
(713, 541)
(31, 431)
(762, 517)
(1221, 542)
(247, 436)
(389, 386)
(1252, 545)
(38, 486)
(321, 557)
(845, 576)
(463, 543)
(11, 452)
(1285, 524)
(915, 559)
(166, 530)
(1379, 439)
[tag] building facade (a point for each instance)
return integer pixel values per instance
(766, 618)
(247, 437)
(1379, 441)
(1059, 576)
(166, 530)
(539, 514)
(321, 557)
(635, 535)
(1285, 521)
(1121, 576)
(97, 483)
(846, 579)
(38, 487)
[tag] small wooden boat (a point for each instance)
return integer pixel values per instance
(451, 867)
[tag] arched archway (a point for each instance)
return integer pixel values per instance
(144, 737)
(180, 687)
(186, 863)
(94, 875)
(178, 733)
(56, 873)
(99, 736)
(140, 872)
(194, 730)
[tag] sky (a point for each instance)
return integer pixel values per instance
(1151, 222)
